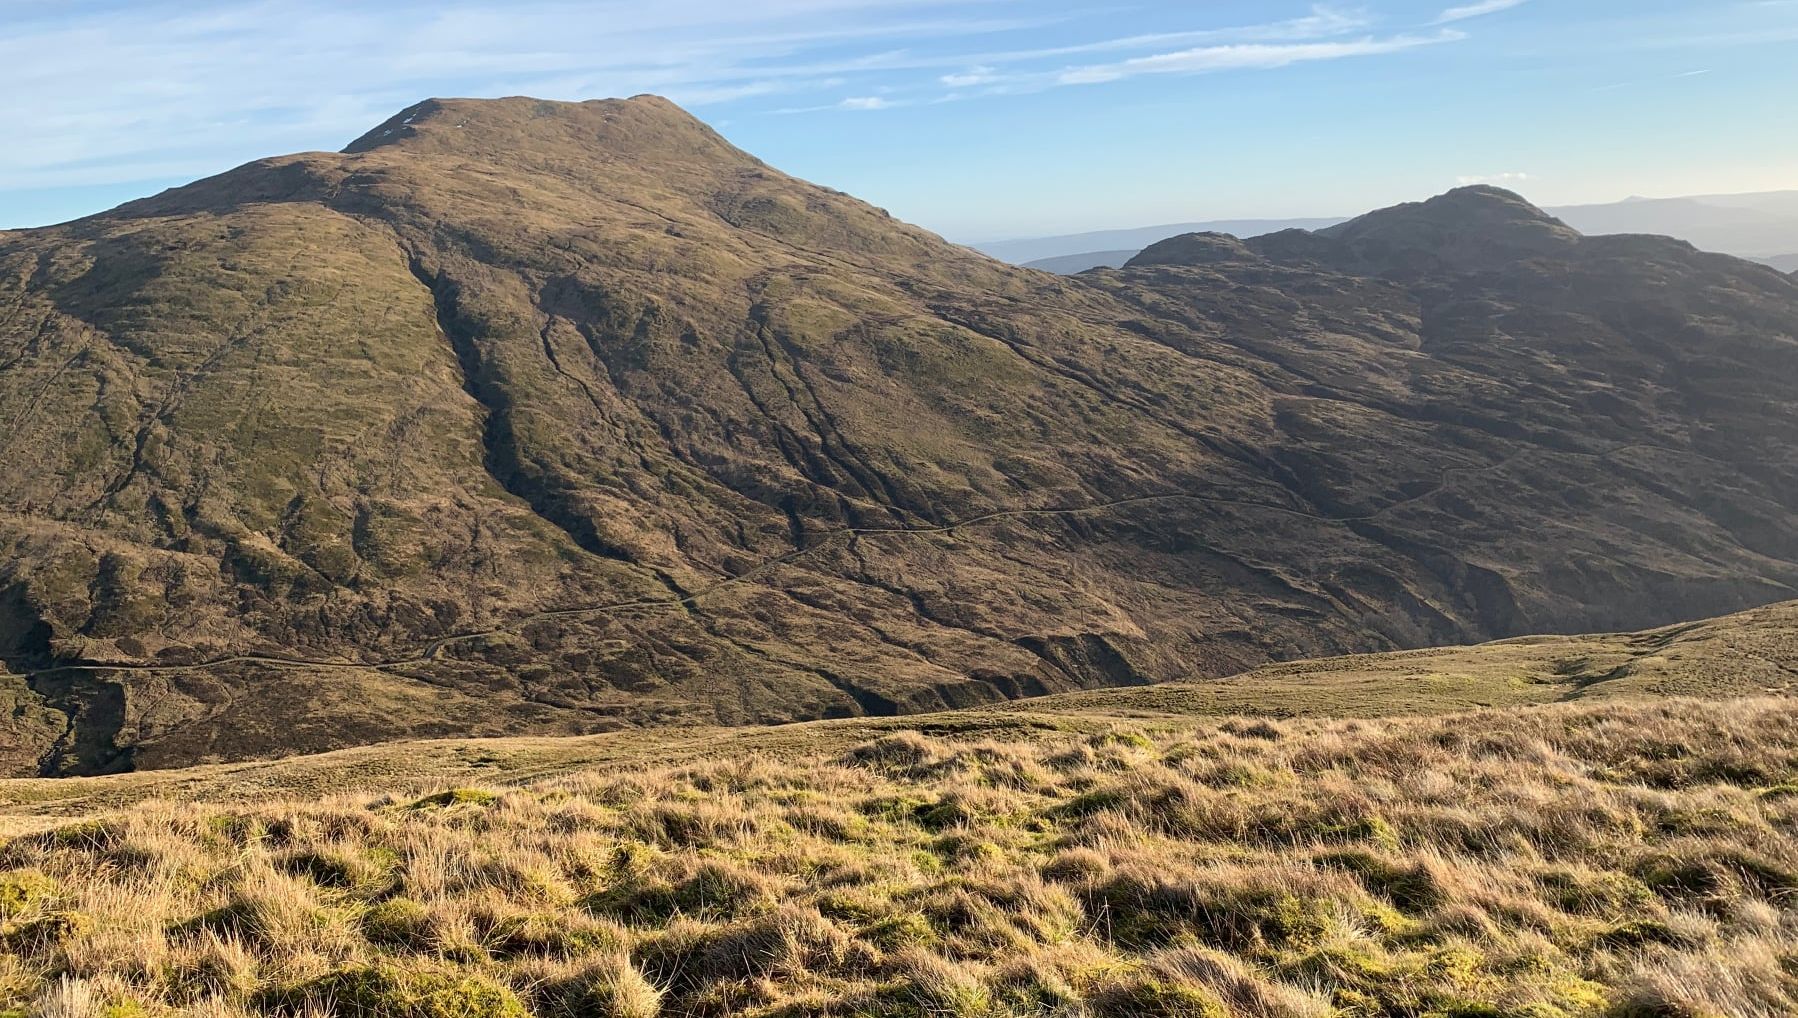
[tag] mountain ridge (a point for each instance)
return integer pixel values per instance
(1759, 227)
(543, 417)
(1473, 228)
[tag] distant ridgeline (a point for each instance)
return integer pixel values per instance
(1762, 227)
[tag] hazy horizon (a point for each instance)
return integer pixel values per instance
(1516, 188)
(983, 120)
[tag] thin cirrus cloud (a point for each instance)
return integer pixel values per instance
(1324, 34)
(971, 77)
(164, 89)
(1476, 10)
(851, 104)
(1248, 56)
(1494, 178)
(1321, 23)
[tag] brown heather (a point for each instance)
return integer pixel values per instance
(1568, 860)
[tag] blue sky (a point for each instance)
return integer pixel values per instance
(981, 119)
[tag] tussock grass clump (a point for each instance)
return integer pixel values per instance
(454, 797)
(607, 986)
(390, 991)
(1565, 862)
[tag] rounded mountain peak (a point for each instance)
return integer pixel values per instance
(1194, 249)
(643, 128)
(1469, 228)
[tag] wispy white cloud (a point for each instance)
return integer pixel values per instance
(1323, 22)
(1644, 82)
(178, 88)
(1494, 178)
(1476, 10)
(161, 88)
(1203, 59)
(969, 78)
(849, 104)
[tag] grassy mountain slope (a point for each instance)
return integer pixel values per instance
(1349, 852)
(540, 417)
(1751, 654)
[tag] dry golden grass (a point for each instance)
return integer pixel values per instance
(1752, 653)
(1615, 859)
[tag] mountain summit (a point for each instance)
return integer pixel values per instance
(521, 416)
(1465, 229)
(1470, 227)
(642, 130)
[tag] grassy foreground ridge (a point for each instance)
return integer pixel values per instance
(1571, 859)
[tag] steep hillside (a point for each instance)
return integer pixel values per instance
(539, 417)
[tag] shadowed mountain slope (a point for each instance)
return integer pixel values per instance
(521, 416)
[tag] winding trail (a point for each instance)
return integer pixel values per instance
(432, 650)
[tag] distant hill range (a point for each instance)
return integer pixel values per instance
(1762, 227)
(1123, 244)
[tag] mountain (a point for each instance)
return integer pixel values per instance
(530, 417)
(1759, 226)
(1784, 263)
